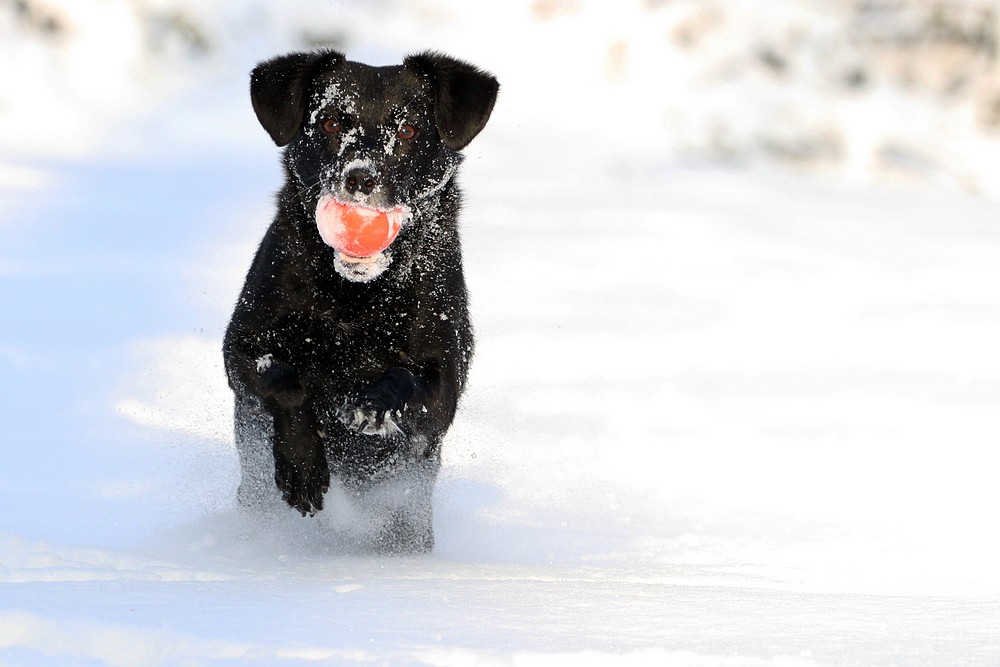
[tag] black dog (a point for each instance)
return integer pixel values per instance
(352, 365)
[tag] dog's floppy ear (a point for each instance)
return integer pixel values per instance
(463, 96)
(279, 88)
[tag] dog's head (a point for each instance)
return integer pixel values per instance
(372, 143)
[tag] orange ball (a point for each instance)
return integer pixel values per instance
(357, 231)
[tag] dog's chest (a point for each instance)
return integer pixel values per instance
(374, 324)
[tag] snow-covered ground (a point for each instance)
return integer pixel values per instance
(717, 416)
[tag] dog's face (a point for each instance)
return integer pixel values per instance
(370, 136)
(379, 139)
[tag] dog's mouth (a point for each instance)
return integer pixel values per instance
(358, 233)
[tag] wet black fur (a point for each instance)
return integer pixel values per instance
(348, 356)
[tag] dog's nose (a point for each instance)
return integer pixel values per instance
(360, 180)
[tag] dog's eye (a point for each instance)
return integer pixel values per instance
(331, 126)
(406, 132)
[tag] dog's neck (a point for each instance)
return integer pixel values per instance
(440, 185)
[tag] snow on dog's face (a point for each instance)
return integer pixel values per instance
(370, 146)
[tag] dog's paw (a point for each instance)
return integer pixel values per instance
(280, 382)
(370, 416)
(379, 408)
(301, 471)
(303, 487)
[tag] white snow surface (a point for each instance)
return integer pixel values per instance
(717, 415)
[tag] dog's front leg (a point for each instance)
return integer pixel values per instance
(301, 472)
(392, 406)
(300, 467)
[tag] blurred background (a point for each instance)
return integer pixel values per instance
(873, 91)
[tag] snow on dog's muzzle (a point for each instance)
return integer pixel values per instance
(358, 232)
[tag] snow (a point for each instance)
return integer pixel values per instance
(719, 414)
(329, 96)
(264, 362)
